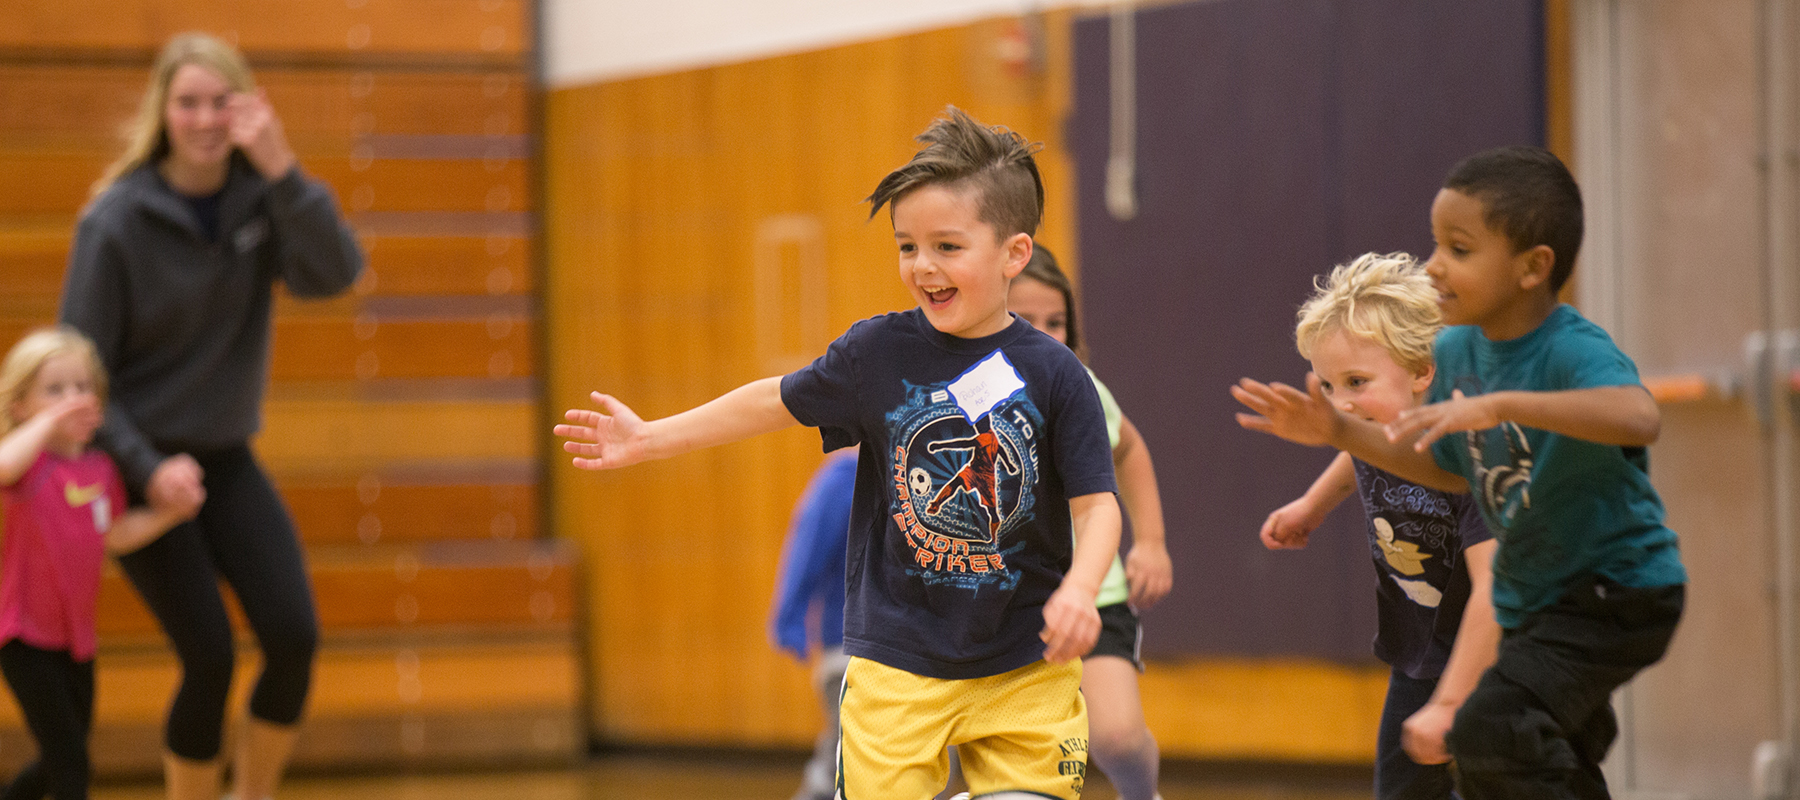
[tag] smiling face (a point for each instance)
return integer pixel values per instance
(1479, 278)
(1040, 304)
(1363, 380)
(197, 118)
(954, 264)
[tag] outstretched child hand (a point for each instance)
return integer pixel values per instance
(1289, 526)
(1284, 411)
(1429, 423)
(1071, 625)
(607, 440)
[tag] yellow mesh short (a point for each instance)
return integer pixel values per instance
(1020, 731)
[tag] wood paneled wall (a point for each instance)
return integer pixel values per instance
(401, 419)
(705, 229)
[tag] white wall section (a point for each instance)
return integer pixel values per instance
(589, 41)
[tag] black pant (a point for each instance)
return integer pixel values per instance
(1397, 776)
(1540, 721)
(56, 692)
(242, 534)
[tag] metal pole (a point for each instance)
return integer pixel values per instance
(1776, 775)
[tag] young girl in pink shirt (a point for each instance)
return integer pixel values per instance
(65, 509)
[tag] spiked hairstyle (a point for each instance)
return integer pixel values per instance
(960, 152)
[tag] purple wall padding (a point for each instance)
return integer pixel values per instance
(1274, 140)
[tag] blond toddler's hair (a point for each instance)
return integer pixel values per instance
(1387, 299)
(22, 363)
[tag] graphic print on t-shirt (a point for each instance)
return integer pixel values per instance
(1408, 532)
(963, 468)
(77, 496)
(1502, 461)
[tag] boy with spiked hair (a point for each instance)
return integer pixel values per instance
(982, 442)
(1537, 413)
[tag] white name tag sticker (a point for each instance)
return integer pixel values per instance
(986, 385)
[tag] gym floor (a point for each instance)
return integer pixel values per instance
(733, 776)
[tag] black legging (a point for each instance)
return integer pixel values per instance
(56, 692)
(244, 535)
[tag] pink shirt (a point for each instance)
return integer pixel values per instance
(50, 565)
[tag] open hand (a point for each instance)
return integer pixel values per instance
(1071, 625)
(1284, 411)
(1426, 424)
(1149, 574)
(609, 440)
(257, 132)
(1289, 527)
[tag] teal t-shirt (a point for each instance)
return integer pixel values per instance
(1562, 508)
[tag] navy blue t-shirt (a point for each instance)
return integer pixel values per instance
(1417, 537)
(970, 450)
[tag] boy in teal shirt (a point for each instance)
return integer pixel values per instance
(1538, 413)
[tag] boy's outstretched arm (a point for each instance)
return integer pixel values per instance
(1477, 646)
(1071, 622)
(615, 437)
(1621, 415)
(1148, 573)
(1288, 527)
(1308, 418)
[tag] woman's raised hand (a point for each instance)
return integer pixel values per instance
(257, 131)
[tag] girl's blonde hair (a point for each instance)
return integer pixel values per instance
(1387, 299)
(147, 136)
(28, 356)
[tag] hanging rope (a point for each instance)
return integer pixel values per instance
(1121, 161)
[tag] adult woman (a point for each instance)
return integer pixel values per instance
(171, 275)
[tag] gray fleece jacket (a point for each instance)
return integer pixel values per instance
(182, 323)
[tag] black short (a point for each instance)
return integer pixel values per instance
(1120, 634)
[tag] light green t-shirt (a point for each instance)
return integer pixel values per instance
(1114, 589)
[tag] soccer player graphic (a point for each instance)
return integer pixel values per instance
(980, 476)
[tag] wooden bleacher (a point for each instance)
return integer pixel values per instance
(401, 425)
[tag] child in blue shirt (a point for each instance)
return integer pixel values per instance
(1536, 412)
(809, 604)
(1368, 331)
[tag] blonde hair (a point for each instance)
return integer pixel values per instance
(22, 363)
(1387, 299)
(147, 136)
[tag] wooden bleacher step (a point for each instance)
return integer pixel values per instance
(434, 653)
